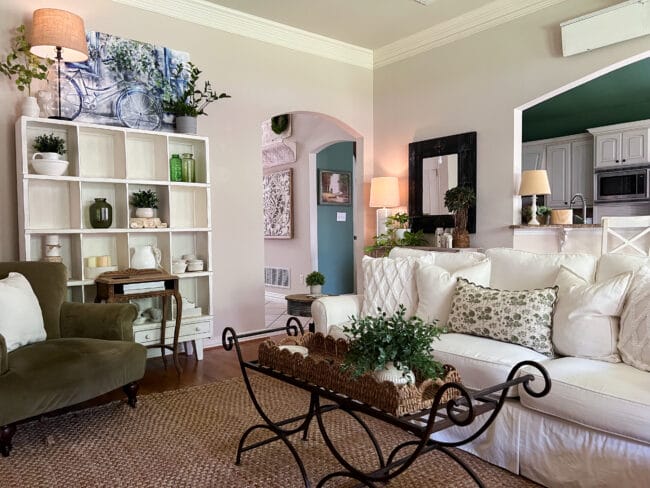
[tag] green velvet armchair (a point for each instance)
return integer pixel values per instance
(89, 351)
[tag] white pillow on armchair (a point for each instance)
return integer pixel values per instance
(21, 320)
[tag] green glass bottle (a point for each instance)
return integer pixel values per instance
(101, 214)
(175, 168)
(188, 168)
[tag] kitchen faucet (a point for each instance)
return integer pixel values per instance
(584, 206)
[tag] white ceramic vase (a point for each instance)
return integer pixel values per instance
(399, 233)
(315, 289)
(146, 257)
(145, 213)
(186, 125)
(30, 107)
(393, 374)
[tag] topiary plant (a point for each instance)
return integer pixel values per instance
(458, 200)
(144, 199)
(49, 143)
(315, 278)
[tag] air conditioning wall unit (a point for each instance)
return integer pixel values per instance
(602, 28)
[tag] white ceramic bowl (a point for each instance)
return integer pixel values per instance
(195, 265)
(49, 167)
(303, 351)
(179, 267)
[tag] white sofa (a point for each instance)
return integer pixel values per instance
(592, 429)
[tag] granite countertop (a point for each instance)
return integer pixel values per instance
(556, 226)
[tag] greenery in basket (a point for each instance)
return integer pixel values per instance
(22, 65)
(49, 143)
(144, 199)
(407, 343)
(315, 278)
(389, 241)
(192, 101)
(458, 200)
(398, 221)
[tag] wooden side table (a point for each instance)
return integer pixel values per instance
(110, 288)
(300, 305)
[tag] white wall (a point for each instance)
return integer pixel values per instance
(474, 84)
(311, 133)
(263, 80)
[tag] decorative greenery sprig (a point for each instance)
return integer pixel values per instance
(315, 278)
(376, 341)
(49, 143)
(398, 221)
(144, 199)
(192, 101)
(22, 65)
(389, 241)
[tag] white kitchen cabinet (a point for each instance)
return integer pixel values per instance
(533, 156)
(622, 144)
(558, 167)
(113, 163)
(582, 169)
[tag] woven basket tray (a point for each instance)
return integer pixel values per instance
(322, 367)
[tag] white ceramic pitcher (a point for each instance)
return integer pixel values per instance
(145, 257)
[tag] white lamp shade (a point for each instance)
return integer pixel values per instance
(54, 28)
(384, 191)
(534, 182)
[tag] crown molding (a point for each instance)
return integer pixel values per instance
(243, 24)
(490, 15)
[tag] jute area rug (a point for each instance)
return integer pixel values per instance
(189, 437)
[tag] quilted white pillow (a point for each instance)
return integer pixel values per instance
(387, 283)
(21, 320)
(436, 288)
(634, 340)
(586, 320)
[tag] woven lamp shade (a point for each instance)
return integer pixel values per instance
(384, 191)
(52, 28)
(534, 182)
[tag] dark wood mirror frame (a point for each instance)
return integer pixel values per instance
(462, 144)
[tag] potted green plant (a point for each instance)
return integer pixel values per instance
(315, 281)
(458, 200)
(192, 102)
(543, 214)
(399, 224)
(392, 348)
(47, 158)
(23, 66)
(144, 202)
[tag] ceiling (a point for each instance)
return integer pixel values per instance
(366, 23)
(620, 96)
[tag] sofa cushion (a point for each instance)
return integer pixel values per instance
(610, 265)
(436, 288)
(60, 372)
(611, 397)
(634, 339)
(586, 320)
(451, 261)
(388, 283)
(21, 320)
(481, 362)
(522, 270)
(519, 317)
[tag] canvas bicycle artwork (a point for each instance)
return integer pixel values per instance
(117, 85)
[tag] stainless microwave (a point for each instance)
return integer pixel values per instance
(622, 185)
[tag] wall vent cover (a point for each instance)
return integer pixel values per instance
(279, 277)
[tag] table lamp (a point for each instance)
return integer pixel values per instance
(534, 182)
(58, 34)
(384, 192)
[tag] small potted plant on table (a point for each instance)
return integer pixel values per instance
(47, 158)
(144, 202)
(458, 200)
(399, 223)
(192, 102)
(392, 348)
(315, 281)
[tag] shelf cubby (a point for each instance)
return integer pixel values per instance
(70, 251)
(75, 294)
(189, 207)
(90, 292)
(159, 240)
(182, 145)
(102, 153)
(53, 204)
(114, 245)
(162, 212)
(67, 133)
(114, 193)
(197, 243)
(146, 157)
(197, 291)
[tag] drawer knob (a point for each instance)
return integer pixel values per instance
(198, 329)
(147, 336)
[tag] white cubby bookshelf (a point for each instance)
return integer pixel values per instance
(113, 163)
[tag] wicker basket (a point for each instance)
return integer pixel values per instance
(322, 367)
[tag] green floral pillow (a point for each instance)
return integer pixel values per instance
(520, 317)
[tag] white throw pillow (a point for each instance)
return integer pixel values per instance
(436, 288)
(387, 283)
(21, 320)
(634, 340)
(586, 320)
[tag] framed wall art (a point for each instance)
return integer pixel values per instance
(334, 187)
(278, 205)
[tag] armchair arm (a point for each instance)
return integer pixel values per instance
(4, 357)
(111, 321)
(327, 311)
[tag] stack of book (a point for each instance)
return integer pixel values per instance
(134, 288)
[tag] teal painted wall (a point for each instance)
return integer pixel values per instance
(620, 96)
(336, 239)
